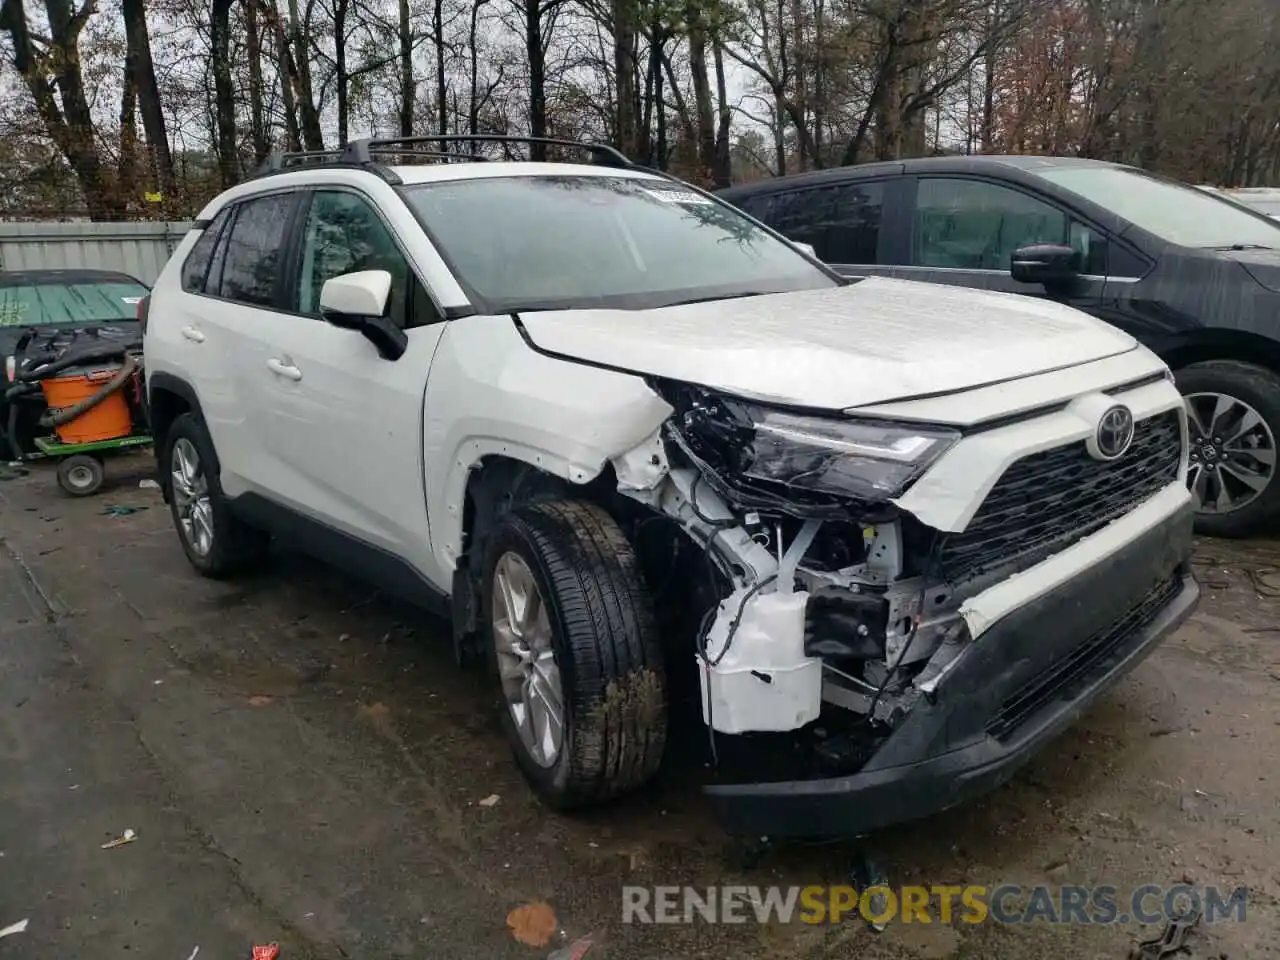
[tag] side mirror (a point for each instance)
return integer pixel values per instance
(358, 301)
(1045, 263)
(806, 248)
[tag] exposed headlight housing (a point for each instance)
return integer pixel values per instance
(869, 460)
(779, 457)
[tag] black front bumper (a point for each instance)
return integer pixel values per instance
(1026, 679)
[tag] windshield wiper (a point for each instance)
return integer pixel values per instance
(721, 296)
(1235, 247)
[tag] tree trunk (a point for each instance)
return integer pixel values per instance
(624, 69)
(442, 78)
(721, 168)
(142, 71)
(408, 88)
(288, 82)
(300, 35)
(703, 108)
(127, 170)
(340, 69)
(537, 76)
(223, 91)
(257, 121)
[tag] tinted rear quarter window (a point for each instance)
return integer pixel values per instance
(255, 250)
(841, 222)
(196, 266)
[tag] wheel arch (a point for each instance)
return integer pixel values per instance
(1218, 344)
(169, 397)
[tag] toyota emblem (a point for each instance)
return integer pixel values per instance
(1114, 434)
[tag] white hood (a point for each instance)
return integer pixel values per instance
(874, 341)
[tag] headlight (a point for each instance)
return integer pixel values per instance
(10, 368)
(868, 460)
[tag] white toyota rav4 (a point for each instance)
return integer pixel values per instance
(643, 452)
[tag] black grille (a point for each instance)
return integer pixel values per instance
(1049, 500)
(1080, 663)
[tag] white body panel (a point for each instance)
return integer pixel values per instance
(875, 341)
(490, 395)
(337, 432)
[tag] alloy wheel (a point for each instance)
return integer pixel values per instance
(526, 661)
(191, 497)
(1233, 452)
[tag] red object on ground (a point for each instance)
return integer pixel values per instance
(270, 952)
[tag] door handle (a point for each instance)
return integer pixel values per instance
(284, 369)
(191, 333)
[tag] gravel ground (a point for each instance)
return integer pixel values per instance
(303, 763)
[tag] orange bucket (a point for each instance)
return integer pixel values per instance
(109, 420)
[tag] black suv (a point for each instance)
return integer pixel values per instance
(1194, 276)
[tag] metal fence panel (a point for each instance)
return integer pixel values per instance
(138, 249)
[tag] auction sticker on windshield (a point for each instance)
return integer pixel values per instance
(678, 196)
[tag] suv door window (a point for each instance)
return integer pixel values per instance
(975, 225)
(196, 266)
(253, 250)
(344, 234)
(841, 222)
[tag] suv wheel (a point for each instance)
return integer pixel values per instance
(575, 647)
(1233, 412)
(217, 543)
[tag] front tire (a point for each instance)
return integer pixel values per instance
(574, 644)
(217, 543)
(1233, 412)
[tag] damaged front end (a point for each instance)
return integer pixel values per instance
(839, 614)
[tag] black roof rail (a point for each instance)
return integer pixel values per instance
(362, 151)
(280, 162)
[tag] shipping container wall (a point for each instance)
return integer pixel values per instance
(138, 249)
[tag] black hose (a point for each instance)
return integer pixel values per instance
(55, 418)
(99, 352)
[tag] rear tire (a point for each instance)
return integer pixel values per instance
(1234, 421)
(217, 543)
(565, 607)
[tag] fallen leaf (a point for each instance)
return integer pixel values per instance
(127, 837)
(490, 800)
(259, 700)
(533, 924)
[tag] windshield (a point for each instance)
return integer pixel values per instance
(44, 304)
(563, 242)
(1170, 210)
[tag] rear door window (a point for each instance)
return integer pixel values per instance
(255, 250)
(841, 221)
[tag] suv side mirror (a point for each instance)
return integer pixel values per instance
(805, 248)
(1045, 263)
(358, 301)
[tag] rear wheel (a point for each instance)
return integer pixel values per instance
(576, 652)
(1233, 413)
(217, 543)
